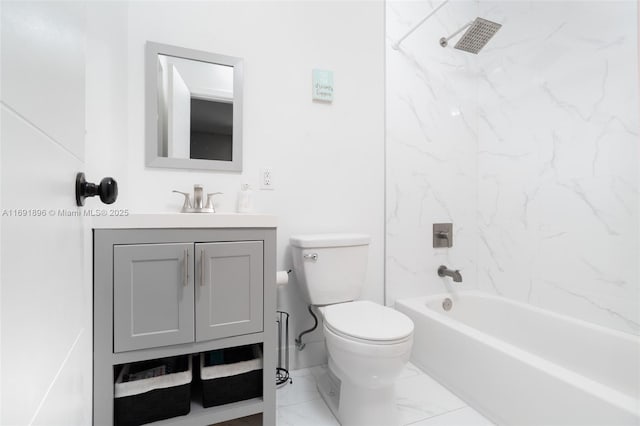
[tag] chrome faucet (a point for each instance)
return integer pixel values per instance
(198, 205)
(197, 197)
(443, 271)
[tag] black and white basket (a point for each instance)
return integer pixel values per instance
(146, 400)
(236, 376)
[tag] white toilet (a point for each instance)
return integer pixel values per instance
(368, 344)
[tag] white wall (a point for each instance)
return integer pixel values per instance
(547, 172)
(107, 119)
(1, 207)
(558, 159)
(327, 159)
(431, 150)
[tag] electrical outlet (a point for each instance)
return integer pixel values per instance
(266, 178)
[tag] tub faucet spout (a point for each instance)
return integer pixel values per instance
(443, 271)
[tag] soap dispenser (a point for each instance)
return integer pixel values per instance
(245, 199)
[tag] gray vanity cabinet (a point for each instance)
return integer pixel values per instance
(152, 295)
(229, 291)
(183, 291)
(154, 300)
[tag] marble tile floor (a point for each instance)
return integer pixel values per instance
(421, 400)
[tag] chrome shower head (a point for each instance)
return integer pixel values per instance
(479, 32)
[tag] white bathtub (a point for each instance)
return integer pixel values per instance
(521, 365)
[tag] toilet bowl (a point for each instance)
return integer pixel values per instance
(367, 344)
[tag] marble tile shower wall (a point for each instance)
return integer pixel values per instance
(431, 149)
(558, 158)
(530, 148)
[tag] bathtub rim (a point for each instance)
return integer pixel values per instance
(481, 294)
(612, 396)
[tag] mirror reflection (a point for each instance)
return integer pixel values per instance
(193, 109)
(196, 109)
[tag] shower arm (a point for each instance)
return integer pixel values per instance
(396, 45)
(444, 41)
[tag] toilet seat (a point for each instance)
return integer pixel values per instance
(367, 322)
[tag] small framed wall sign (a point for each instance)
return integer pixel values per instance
(322, 85)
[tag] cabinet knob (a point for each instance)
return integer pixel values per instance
(107, 189)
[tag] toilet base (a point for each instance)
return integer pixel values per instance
(367, 407)
(357, 406)
(329, 387)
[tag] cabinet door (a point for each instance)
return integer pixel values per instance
(229, 291)
(152, 295)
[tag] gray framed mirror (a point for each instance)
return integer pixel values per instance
(193, 109)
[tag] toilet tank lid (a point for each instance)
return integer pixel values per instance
(329, 240)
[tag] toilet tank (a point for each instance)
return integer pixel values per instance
(330, 268)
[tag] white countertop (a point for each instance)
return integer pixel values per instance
(185, 220)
